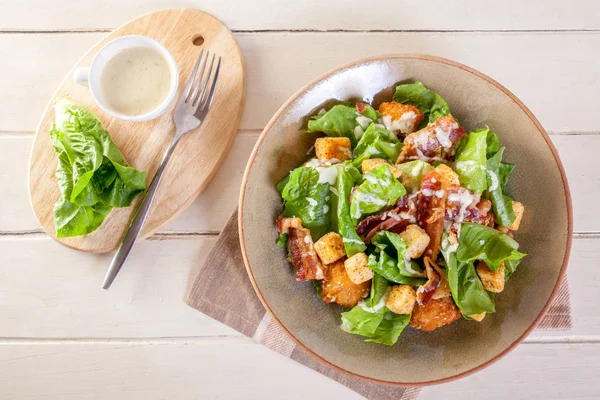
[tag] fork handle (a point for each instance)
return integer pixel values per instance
(138, 220)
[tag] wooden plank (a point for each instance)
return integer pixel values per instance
(529, 64)
(212, 208)
(557, 371)
(50, 291)
(221, 369)
(207, 369)
(314, 14)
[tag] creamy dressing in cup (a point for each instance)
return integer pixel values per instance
(133, 78)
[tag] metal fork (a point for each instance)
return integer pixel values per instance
(190, 112)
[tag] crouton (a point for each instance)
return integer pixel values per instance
(478, 317)
(337, 287)
(492, 281)
(402, 299)
(357, 269)
(435, 314)
(518, 209)
(371, 163)
(416, 240)
(447, 175)
(400, 118)
(330, 248)
(333, 149)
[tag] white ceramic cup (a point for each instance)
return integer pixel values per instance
(91, 76)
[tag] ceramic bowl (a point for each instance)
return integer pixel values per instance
(463, 347)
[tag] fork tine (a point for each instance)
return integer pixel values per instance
(205, 84)
(188, 85)
(194, 94)
(212, 88)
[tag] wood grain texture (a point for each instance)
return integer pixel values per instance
(198, 154)
(205, 370)
(49, 291)
(314, 14)
(548, 81)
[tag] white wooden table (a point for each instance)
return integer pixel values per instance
(62, 337)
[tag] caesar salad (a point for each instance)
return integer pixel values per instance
(401, 216)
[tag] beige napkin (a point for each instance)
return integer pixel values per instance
(243, 311)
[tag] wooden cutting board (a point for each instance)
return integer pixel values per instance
(199, 152)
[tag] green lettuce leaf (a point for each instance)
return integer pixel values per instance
(390, 328)
(504, 171)
(282, 240)
(360, 321)
(347, 175)
(510, 266)
(389, 261)
(379, 287)
(317, 285)
(431, 104)
(493, 144)
(480, 242)
(470, 163)
(378, 325)
(413, 173)
(74, 220)
(467, 290)
(377, 142)
(305, 198)
(501, 204)
(92, 174)
(379, 190)
(340, 120)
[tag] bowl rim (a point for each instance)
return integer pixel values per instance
(424, 57)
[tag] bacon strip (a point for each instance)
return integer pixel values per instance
(304, 258)
(431, 203)
(465, 206)
(425, 293)
(395, 220)
(434, 142)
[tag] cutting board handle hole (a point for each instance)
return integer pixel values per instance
(198, 40)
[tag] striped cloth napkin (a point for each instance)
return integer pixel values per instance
(243, 311)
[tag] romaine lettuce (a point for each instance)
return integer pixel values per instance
(377, 142)
(347, 175)
(379, 189)
(470, 163)
(413, 173)
(92, 175)
(431, 104)
(389, 260)
(467, 290)
(379, 287)
(340, 120)
(373, 319)
(504, 172)
(480, 242)
(305, 198)
(361, 321)
(501, 204)
(390, 328)
(510, 266)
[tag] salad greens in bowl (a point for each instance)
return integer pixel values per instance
(399, 231)
(395, 257)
